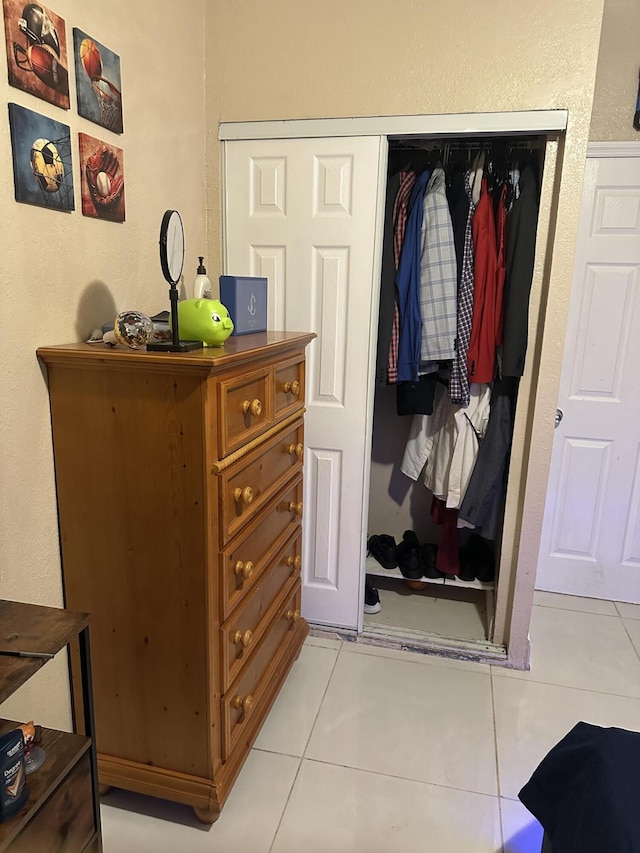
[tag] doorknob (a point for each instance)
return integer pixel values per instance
(559, 417)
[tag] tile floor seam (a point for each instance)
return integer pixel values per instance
(624, 625)
(402, 778)
(495, 735)
(576, 610)
(502, 838)
(569, 686)
(321, 702)
(286, 805)
(446, 661)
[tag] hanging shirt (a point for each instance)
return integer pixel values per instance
(455, 445)
(407, 180)
(408, 284)
(459, 382)
(481, 356)
(438, 276)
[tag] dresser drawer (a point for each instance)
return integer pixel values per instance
(241, 634)
(244, 561)
(251, 482)
(245, 408)
(243, 700)
(289, 387)
(66, 821)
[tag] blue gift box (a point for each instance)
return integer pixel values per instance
(245, 298)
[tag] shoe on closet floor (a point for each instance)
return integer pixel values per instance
(383, 549)
(371, 599)
(409, 557)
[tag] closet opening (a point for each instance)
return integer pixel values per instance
(460, 226)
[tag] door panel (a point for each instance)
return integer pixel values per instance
(591, 536)
(303, 213)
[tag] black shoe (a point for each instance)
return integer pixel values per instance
(409, 558)
(383, 549)
(371, 599)
(467, 566)
(429, 552)
(483, 557)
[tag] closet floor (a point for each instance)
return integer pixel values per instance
(454, 613)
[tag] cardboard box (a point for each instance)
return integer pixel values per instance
(245, 298)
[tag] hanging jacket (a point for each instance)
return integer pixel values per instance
(408, 284)
(481, 355)
(407, 180)
(522, 223)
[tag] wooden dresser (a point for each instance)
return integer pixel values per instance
(62, 812)
(179, 483)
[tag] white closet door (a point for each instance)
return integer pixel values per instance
(591, 535)
(303, 213)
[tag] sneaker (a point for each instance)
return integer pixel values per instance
(409, 557)
(371, 599)
(383, 549)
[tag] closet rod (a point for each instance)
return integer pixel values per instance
(460, 145)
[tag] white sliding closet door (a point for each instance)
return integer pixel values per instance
(591, 535)
(304, 213)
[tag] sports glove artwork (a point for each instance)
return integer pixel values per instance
(102, 173)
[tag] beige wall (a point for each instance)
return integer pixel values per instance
(614, 102)
(63, 274)
(291, 59)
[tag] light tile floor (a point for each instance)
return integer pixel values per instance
(369, 750)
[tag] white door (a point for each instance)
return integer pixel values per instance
(303, 213)
(591, 535)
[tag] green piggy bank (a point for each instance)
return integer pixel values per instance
(205, 320)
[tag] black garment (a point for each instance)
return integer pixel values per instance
(486, 490)
(387, 284)
(586, 792)
(522, 222)
(416, 398)
(459, 208)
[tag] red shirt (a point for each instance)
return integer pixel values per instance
(481, 356)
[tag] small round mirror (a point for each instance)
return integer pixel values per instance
(172, 246)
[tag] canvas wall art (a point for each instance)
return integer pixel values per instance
(101, 179)
(42, 166)
(98, 82)
(37, 51)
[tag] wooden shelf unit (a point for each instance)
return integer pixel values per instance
(63, 809)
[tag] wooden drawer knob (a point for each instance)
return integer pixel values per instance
(253, 406)
(245, 495)
(296, 562)
(242, 703)
(292, 388)
(295, 450)
(244, 570)
(292, 616)
(243, 638)
(295, 507)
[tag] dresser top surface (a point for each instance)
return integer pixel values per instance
(207, 359)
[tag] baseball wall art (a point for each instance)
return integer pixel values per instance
(102, 179)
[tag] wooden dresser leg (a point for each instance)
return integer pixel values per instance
(207, 815)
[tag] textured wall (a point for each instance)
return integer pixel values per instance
(614, 101)
(287, 59)
(63, 274)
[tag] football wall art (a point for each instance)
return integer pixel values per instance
(42, 167)
(102, 179)
(37, 51)
(98, 82)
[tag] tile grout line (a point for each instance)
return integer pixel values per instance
(301, 758)
(637, 651)
(495, 748)
(528, 680)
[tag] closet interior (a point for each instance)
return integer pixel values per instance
(457, 266)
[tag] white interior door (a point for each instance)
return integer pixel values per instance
(304, 213)
(591, 535)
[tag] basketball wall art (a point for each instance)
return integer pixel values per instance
(101, 179)
(98, 82)
(42, 167)
(37, 51)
